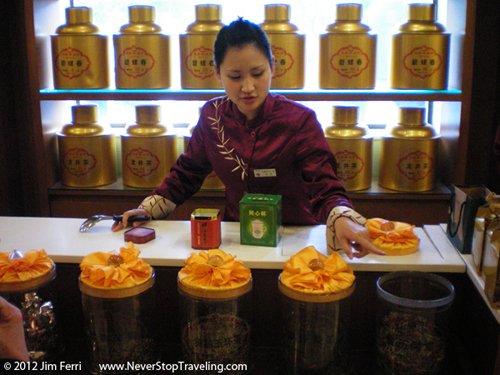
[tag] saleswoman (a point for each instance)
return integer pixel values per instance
(257, 142)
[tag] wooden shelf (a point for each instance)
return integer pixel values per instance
(375, 192)
(453, 95)
(375, 202)
(117, 189)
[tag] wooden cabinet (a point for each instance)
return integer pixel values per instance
(39, 117)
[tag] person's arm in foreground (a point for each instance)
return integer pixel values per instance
(12, 344)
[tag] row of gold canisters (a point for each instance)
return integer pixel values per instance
(407, 160)
(408, 154)
(87, 153)
(420, 51)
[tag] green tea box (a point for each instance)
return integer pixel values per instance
(260, 219)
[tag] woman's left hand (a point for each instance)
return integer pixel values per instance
(354, 239)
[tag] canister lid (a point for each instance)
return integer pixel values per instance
(348, 12)
(412, 124)
(37, 271)
(116, 292)
(345, 119)
(75, 15)
(412, 116)
(314, 298)
(422, 12)
(214, 294)
(147, 114)
(277, 12)
(348, 20)
(78, 21)
(141, 13)
(208, 12)
(344, 115)
(32, 284)
(84, 114)
(205, 214)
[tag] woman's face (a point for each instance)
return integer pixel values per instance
(246, 76)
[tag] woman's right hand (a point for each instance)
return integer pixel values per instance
(124, 223)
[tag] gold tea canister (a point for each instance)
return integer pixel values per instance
(86, 151)
(287, 47)
(352, 148)
(142, 59)
(347, 52)
(196, 49)
(148, 152)
(79, 53)
(408, 157)
(420, 51)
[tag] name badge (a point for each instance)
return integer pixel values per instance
(270, 172)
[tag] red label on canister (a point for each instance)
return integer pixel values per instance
(205, 228)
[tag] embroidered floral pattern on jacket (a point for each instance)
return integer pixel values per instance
(223, 145)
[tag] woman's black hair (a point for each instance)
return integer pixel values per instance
(238, 34)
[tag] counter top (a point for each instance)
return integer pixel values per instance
(61, 238)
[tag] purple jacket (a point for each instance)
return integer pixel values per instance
(282, 151)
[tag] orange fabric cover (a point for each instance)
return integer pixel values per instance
(123, 269)
(394, 237)
(33, 264)
(214, 269)
(309, 271)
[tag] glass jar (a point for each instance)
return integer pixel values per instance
(118, 324)
(34, 298)
(412, 322)
(215, 325)
(312, 329)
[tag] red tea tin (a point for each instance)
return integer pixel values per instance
(205, 228)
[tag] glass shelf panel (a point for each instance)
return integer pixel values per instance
(177, 94)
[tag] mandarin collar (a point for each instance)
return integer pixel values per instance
(265, 110)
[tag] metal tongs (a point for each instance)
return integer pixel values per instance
(94, 219)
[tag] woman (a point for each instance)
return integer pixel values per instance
(257, 142)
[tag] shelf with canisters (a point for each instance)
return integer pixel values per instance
(373, 202)
(377, 94)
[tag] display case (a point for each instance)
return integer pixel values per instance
(41, 119)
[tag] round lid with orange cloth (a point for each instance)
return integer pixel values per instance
(214, 274)
(115, 274)
(394, 237)
(311, 276)
(23, 271)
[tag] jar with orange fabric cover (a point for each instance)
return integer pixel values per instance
(118, 304)
(314, 305)
(214, 290)
(26, 281)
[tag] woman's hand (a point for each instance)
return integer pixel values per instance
(354, 239)
(124, 223)
(12, 344)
